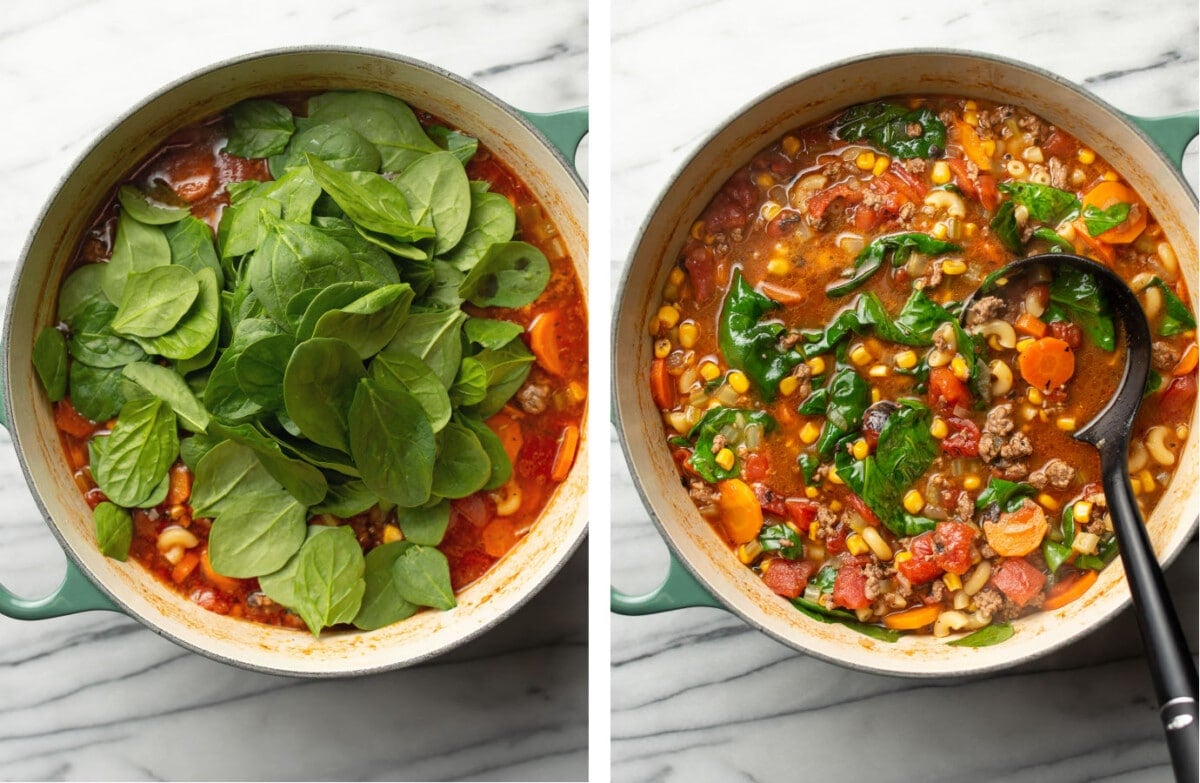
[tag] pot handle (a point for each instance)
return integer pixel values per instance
(564, 129)
(75, 594)
(1171, 133)
(679, 590)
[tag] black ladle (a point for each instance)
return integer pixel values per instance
(1171, 665)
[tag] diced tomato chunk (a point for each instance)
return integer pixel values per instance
(835, 542)
(702, 271)
(1059, 145)
(783, 224)
(71, 421)
(770, 500)
(755, 467)
(789, 577)
(820, 201)
(922, 567)
(946, 390)
(537, 456)
(1018, 579)
(801, 511)
(469, 567)
(1068, 332)
(864, 511)
(952, 546)
(906, 182)
(1177, 398)
(963, 440)
(850, 586)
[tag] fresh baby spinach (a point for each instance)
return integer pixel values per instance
(139, 452)
(369, 200)
(904, 133)
(386, 122)
(171, 388)
(319, 385)
(438, 194)
(155, 301)
(510, 274)
(50, 362)
(81, 288)
(259, 128)
(141, 209)
(492, 220)
(405, 369)
(114, 530)
(422, 576)
(424, 524)
(342, 147)
(93, 342)
(382, 603)
(137, 247)
(392, 442)
(462, 466)
(369, 322)
(96, 392)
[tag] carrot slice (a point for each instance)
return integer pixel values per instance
(509, 433)
(1030, 324)
(1100, 249)
(662, 387)
(1066, 591)
(912, 619)
(220, 581)
(1047, 364)
(564, 458)
(181, 485)
(740, 512)
(1017, 533)
(184, 568)
(973, 146)
(544, 342)
(1105, 195)
(499, 536)
(1187, 362)
(71, 421)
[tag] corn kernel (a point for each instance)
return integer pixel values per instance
(816, 365)
(1147, 479)
(1024, 343)
(878, 371)
(770, 211)
(1082, 511)
(972, 481)
(1086, 156)
(940, 231)
(941, 173)
(902, 557)
(1065, 423)
(913, 501)
(738, 381)
(860, 355)
(1136, 486)
(855, 545)
(833, 475)
(865, 160)
(881, 165)
(764, 565)
(1047, 502)
(709, 371)
(860, 449)
(809, 433)
(764, 180)
(971, 117)
(749, 552)
(989, 148)
(969, 229)
(1034, 396)
(778, 267)
(954, 266)
(835, 506)
(676, 276)
(1110, 176)
(725, 459)
(688, 333)
(876, 395)
(791, 145)
(679, 422)
(906, 360)
(952, 581)
(1182, 432)
(668, 316)
(939, 428)
(811, 492)
(958, 366)
(391, 534)
(576, 391)
(698, 230)
(662, 348)
(788, 385)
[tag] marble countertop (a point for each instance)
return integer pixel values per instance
(697, 695)
(97, 696)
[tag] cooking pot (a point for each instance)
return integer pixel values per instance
(533, 145)
(703, 571)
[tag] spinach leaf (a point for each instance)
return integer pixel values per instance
(223, 396)
(506, 369)
(434, 337)
(403, 249)
(406, 370)
(1007, 494)
(1107, 553)
(346, 500)
(306, 307)
(462, 146)
(224, 474)
(424, 525)
(329, 584)
(438, 194)
(260, 128)
(291, 258)
(821, 614)
(501, 465)
(193, 449)
(1097, 220)
(191, 243)
(114, 530)
(241, 228)
(710, 425)
(904, 452)
(462, 467)
(319, 386)
(782, 539)
(1051, 237)
(470, 387)
(386, 122)
(155, 301)
(370, 322)
(422, 576)
(510, 274)
(137, 247)
(340, 146)
(1045, 204)
(365, 254)
(899, 247)
(1055, 554)
(914, 324)
(140, 208)
(887, 126)
(492, 220)
(256, 535)
(93, 342)
(296, 191)
(808, 464)
(170, 387)
(138, 453)
(197, 329)
(259, 369)
(444, 292)
(849, 396)
(750, 344)
(81, 288)
(96, 392)
(302, 481)
(985, 636)
(1076, 296)
(825, 579)
(50, 362)
(392, 443)
(1154, 382)
(1176, 317)
(490, 333)
(382, 603)
(370, 201)
(1004, 226)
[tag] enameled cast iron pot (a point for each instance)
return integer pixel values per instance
(703, 572)
(532, 145)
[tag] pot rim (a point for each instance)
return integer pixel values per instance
(969, 669)
(565, 553)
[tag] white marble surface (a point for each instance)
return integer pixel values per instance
(696, 694)
(96, 696)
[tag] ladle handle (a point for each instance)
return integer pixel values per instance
(1171, 666)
